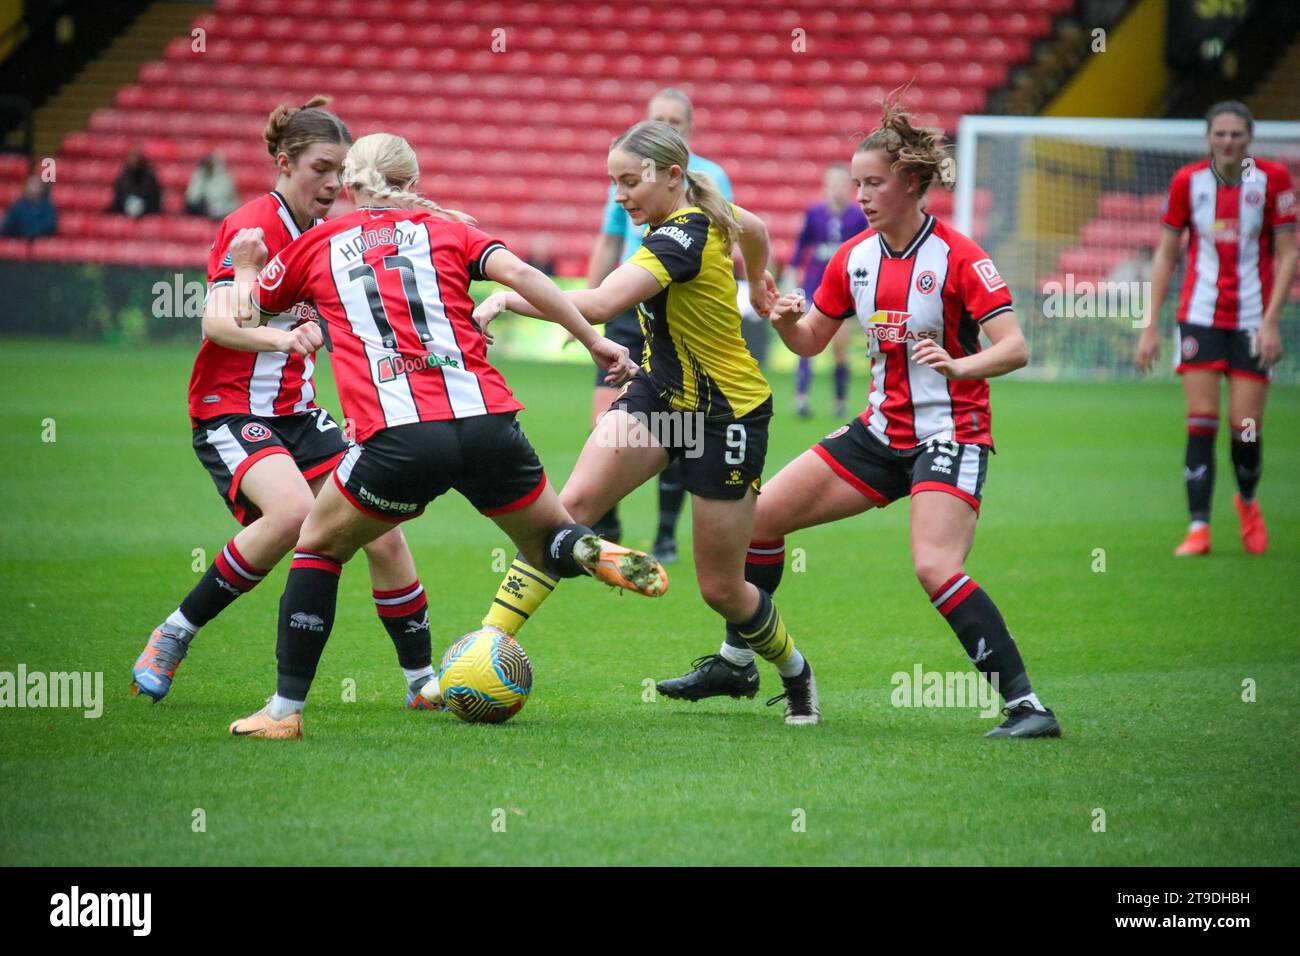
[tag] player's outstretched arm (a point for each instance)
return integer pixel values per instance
(1162, 269)
(1007, 353)
(536, 295)
(622, 289)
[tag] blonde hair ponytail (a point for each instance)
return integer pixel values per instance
(702, 191)
(664, 146)
(383, 167)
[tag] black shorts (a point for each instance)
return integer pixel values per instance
(625, 329)
(396, 472)
(228, 445)
(1202, 348)
(720, 458)
(883, 474)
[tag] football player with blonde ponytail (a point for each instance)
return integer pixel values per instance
(696, 372)
(391, 283)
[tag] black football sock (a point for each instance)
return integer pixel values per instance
(1247, 463)
(560, 562)
(764, 566)
(1198, 467)
(306, 618)
(978, 624)
(405, 615)
(672, 492)
(227, 578)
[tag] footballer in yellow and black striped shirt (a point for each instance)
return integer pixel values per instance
(697, 366)
(696, 357)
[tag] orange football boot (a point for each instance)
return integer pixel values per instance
(262, 724)
(1253, 533)
(621, 567)
(1196, 543)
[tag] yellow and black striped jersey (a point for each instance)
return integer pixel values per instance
(695, 355)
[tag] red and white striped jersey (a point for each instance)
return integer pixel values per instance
(392, 286)
(941, 287)
(1230, 254)
(226, 382)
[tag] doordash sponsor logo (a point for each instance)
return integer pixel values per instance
(391, 366)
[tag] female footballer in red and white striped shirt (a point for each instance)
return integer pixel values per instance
(1239, 213)
(923, 293)
(257, 429)
(391, 284)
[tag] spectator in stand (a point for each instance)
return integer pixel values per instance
(211, 192)
(136, 191)
(32, 215)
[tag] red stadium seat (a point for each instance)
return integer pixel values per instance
(521, 138)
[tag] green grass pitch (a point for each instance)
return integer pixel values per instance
(1144, 662)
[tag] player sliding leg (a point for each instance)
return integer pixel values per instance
(606, 471)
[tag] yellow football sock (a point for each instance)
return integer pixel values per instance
(765, 632)
(520, 595)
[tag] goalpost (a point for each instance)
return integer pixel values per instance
(1070, 209)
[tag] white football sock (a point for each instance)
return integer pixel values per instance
(793, 667)
(739, 656)
(281, 707)
(177, 619)
(1198, 525)
(414, 674)
(1031, 697)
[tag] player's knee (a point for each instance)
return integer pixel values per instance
(726, 595)
(933, 570)
(580, 504)
(286, 519)
(388, 547)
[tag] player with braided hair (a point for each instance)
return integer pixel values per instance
(391, 284)
(257, 429)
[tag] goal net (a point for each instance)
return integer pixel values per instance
(1070, 209)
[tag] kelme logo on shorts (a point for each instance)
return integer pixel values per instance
(392, 366)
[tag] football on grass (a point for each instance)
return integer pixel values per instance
(485, 677)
